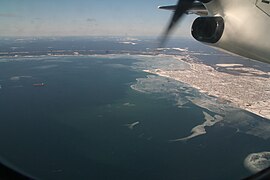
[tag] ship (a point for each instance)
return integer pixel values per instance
(39, 84)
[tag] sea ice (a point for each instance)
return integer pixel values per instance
(200, 129)
(256, 162)
(17, 78)
(132, 125)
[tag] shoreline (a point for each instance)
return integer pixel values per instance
(248, 88)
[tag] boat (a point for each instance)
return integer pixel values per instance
(39, 84)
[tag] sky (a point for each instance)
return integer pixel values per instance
(87, 18)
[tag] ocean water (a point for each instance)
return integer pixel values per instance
(102, 117)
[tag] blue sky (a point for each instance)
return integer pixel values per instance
(86, 18)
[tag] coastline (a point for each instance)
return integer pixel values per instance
(248, 88)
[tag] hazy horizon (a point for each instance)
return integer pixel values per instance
(86, 18)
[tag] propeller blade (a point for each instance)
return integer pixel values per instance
(181, 7)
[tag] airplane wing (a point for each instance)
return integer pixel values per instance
(197, 8)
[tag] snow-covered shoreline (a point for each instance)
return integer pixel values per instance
(249, 91)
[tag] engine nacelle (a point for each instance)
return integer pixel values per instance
(240, 27)
(208, 29)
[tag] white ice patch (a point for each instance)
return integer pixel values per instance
(129, 39)
(229, 65)
(129, 104)
(176, 49)
(128, 42)
(200, 129)
(256, 162)
(181, 102)
(17, 78)
(215, 105)
(181, 49)
(132, 125)
(165, 88)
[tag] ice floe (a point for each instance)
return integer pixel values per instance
(200, 129)
(127, 104)
(256, 162)
(17, 78)
(176, 49)
(132, 125)
(229, 65)
(128, 42)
